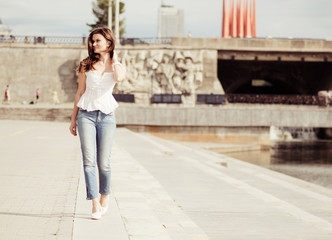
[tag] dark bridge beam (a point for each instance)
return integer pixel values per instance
(287, 56)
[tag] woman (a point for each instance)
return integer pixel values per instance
(93, 114)
(7, 95)
(37, 95)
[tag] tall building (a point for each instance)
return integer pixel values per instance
(4, 30)
(170, 22)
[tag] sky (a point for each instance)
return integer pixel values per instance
(202, 18)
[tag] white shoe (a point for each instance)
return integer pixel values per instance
(104, 210)
(96, 215)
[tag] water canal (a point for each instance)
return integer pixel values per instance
(307, 160)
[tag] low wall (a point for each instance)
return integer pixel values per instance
(232, 115)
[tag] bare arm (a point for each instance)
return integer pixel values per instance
(80, 90)
(119, 69)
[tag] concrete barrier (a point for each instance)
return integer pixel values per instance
(231, 115)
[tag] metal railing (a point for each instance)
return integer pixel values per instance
(78, 40)
(83, 40)
(135, 41)
(242, 98)
(44, 39)
(273, 99)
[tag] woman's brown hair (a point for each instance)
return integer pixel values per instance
(87, 63)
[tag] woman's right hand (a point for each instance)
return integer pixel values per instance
(73, 128)
(115, 57)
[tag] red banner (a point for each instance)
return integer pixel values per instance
(239, 18)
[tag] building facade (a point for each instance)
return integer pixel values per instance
(170, 22)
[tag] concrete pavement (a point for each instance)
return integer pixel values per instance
(39, 174)
(160, 190)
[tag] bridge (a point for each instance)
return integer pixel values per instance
(269, 66)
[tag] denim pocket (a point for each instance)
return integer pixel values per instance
(110, 118)
(81, 113)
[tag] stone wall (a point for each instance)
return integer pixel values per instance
(241, 116)
(28, 67)
(150, 70)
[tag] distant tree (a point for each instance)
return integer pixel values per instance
(100, 10)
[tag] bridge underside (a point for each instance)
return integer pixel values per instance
(277, 76)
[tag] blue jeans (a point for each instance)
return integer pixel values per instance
(96, 131)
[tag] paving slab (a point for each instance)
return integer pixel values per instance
(160, 190)
(39, 177)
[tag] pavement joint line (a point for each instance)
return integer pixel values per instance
(76, 198)
(149, 140)
(168, 215)
(16, 133)
(215, 157)
(275, 202)
(295, 188)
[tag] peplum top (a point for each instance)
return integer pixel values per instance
(98, 93)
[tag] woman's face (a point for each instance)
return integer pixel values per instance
(99, 43)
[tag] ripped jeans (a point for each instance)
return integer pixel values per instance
(96, 131)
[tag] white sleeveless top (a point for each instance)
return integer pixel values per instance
(98, 93)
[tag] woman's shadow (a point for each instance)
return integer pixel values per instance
(68, 77)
